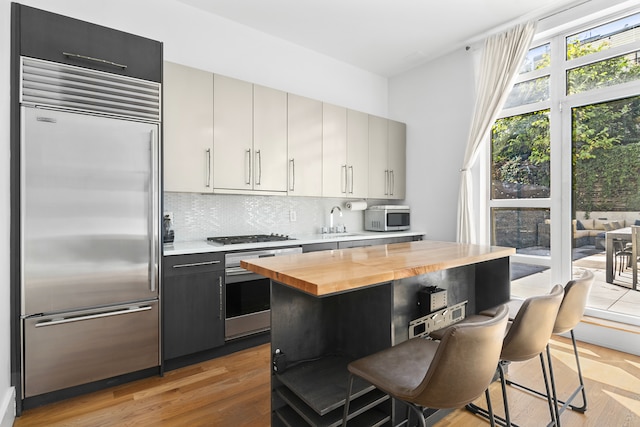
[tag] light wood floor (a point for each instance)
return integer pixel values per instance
(234, 391)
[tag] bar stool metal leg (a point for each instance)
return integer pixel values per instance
(503, 384)
(550, 398)
(492, 419)
(553, 388)
(488, 413)
(347, 400)
(563, 405)
(580, 388)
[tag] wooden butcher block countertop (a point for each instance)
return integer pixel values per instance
(327, 272)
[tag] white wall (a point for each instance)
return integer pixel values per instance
(203, 40)
(194, 38)
(6, 391)
(436, 101)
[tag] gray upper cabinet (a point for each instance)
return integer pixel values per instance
(387, 158)
(228, 136)
(397, 159)
(249, 138)
(233, 134)
(305, 146)
(357, 154)
(344, 152)
(269, 139)
(188, 129)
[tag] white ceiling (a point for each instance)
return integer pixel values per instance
(385, 37)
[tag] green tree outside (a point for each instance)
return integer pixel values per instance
(606, 140)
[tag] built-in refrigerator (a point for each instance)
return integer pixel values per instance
(89, 225)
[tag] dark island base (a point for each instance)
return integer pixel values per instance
(319, 336)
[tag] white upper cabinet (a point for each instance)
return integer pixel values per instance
(305, 146)
(187, 129)
(387, 158)
(344, 152)
(249, 138)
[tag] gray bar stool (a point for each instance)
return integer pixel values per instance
(571, 311)
(527, 337)
(439, 375)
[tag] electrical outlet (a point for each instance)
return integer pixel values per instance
(292, 216)
(168, 215)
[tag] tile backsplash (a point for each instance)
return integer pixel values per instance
(197, 216)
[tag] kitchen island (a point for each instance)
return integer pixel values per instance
(331, 307)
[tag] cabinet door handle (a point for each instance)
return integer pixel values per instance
(350, 179)
(208, 161)
(90, 58)
(343, 178)
(392, 182)
(221, 299)
(258, 167)
(386, 182)
(292, 174)
(93, 316)
(196, 264)
(154, 204)
(247, 167)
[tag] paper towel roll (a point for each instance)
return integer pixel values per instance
(358, 205)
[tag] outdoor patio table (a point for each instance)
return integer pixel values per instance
(620, 234)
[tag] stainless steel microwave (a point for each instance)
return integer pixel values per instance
(387, 218)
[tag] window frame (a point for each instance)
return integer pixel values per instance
(560, 106)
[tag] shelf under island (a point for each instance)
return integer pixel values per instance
(331, 307)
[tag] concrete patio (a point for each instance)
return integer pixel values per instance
(604, 296)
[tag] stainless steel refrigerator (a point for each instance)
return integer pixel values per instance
(89, 227)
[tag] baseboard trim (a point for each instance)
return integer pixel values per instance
(617, 336)
(8, 408)
(625, 327)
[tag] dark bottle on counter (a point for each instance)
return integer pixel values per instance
(167, 230)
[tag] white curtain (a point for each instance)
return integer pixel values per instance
(501, 60)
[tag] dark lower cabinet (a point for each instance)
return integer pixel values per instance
(316, 247)
(193, 304)
(344, 244)
(373, 242)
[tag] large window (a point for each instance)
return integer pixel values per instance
(606, 151)
(564, 161)
(520, 174)
(520, 157)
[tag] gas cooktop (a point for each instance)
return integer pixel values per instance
(254, 238)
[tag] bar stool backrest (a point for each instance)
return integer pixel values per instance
(529, 333)
(464, 364)
(571, 310)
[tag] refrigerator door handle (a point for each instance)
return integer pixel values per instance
(154, 212)
(92, 316)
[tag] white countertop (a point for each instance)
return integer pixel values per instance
(202, 246)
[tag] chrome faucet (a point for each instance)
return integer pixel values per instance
(331, 228)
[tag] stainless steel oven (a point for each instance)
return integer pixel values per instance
(247, 294)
